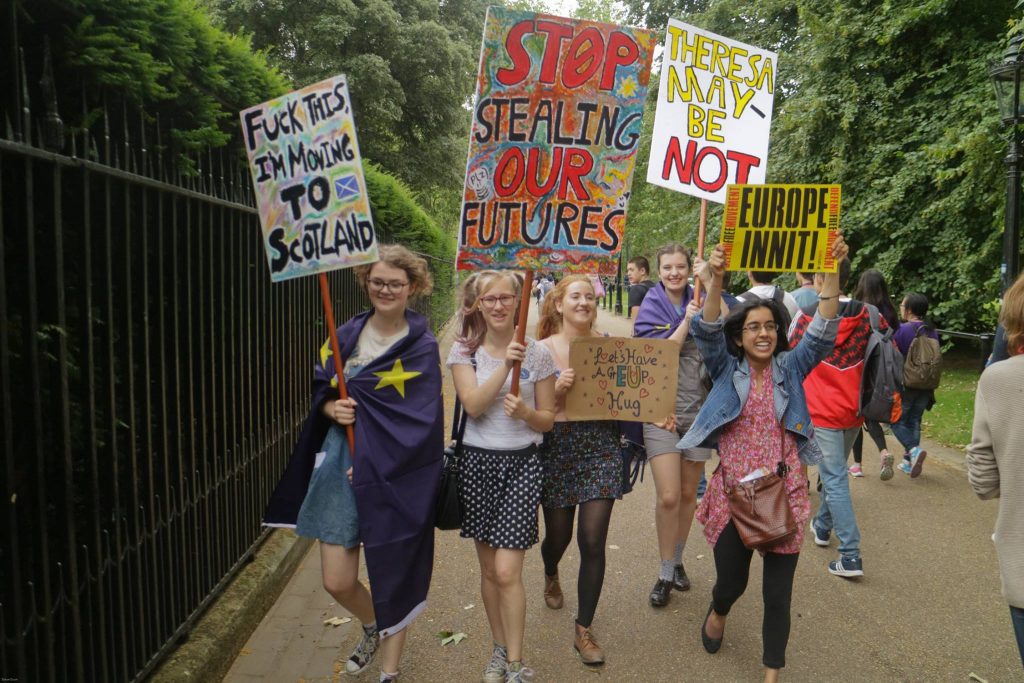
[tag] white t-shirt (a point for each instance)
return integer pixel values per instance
(493, 429)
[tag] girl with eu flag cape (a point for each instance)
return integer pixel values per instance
(384, 498)
(666, 313)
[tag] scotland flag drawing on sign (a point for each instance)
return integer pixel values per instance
(347, 187)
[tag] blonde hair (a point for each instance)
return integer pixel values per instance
(471, 326)
(550, 321)
(1012, 316)
(397, 256)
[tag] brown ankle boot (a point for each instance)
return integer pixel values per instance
(590, 652)
(552, 592)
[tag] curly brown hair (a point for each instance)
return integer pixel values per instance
(397, 256)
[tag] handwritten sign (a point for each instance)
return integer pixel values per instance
(309, 183)
(781, 228)
(622, 379)
(556, 125)
(714, 113)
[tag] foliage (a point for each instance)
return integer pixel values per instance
(163, 55)
(410, 65)
(893, 104)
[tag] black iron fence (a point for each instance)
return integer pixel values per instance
(152, 382)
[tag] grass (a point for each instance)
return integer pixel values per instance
(949, 421)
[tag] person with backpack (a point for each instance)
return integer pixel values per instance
(833, 391)
(871, 289)
(922, 367)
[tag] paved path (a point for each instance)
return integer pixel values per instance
(928, 609)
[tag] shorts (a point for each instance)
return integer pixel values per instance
(659, 441)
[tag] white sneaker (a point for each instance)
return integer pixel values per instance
(821, 541)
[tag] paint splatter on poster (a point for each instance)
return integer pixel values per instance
(556, 126)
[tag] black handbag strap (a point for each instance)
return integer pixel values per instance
(459, 418)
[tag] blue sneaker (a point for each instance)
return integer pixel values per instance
(905, 467)
(917, 457)
(848, 567)
(820, 539)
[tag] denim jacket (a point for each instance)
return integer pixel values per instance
(732, 384)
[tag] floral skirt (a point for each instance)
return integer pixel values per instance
(582, 461)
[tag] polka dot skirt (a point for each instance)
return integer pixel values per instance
(500, 493)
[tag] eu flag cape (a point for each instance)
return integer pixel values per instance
(657, 316)
(399, 442)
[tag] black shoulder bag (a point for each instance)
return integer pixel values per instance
(449, 505)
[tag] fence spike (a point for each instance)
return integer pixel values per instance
(53, 126)
(26, 107)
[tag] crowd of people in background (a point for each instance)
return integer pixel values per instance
(768, 380)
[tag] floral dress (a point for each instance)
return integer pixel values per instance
(748, 442)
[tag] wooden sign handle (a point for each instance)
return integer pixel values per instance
(702, 232)
(325, 295)
(524, 312)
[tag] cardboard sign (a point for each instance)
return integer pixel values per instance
(781, 228)
(556, 125)
(620, 378)
(714, 113)
(309, 183)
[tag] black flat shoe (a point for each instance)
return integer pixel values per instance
(680, 581)
(660, 593)
(711, 645)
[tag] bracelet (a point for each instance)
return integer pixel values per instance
(826, 298)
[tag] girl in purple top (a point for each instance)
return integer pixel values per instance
(915, 401)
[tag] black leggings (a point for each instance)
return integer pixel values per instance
(877, 435)
(732, 563)
(590, 537)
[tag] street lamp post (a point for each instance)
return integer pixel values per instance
(1006, 77)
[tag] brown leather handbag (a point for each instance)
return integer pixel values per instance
(760, 508)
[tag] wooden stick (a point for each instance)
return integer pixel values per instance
(702, 231)
(325, 294)
(524, 312)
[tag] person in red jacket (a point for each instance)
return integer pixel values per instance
(833, 400)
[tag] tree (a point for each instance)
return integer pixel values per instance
(894, 105)
(410, 65)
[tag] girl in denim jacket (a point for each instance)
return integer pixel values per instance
(755, 416)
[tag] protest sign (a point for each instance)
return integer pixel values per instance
(555, 131)
(781, 228)
(714, 113)
(309, 184)
(621, 378)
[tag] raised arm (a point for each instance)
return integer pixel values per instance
(828, 305)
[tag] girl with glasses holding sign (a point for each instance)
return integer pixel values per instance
(393, 378)
(500, 469)
(756, 416)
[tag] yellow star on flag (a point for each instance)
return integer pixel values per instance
(395, 377)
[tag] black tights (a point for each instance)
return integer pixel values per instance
(877, 435)
(732, 563)
(590, 537)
